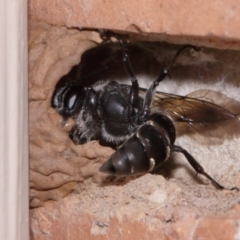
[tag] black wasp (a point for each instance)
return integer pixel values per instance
(139, 122)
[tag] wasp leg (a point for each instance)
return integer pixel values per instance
(199, 169)
(150, 93)
(165, 72)
(80, 136)
(134, 91)
(75, 135)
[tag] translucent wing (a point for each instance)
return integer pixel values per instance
(206, 112)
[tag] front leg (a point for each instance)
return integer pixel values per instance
(80, 136)
(75, 134)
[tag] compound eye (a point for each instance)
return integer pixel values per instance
(73, 97)
(73, 100)
(70, 99)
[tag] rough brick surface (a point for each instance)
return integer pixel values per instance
(148, 207)
(67, 220)
(214, 23)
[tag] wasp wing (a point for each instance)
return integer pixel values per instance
(206, 112)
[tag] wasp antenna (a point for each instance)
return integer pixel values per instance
(180, 51)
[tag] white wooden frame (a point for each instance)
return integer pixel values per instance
(14, 209)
